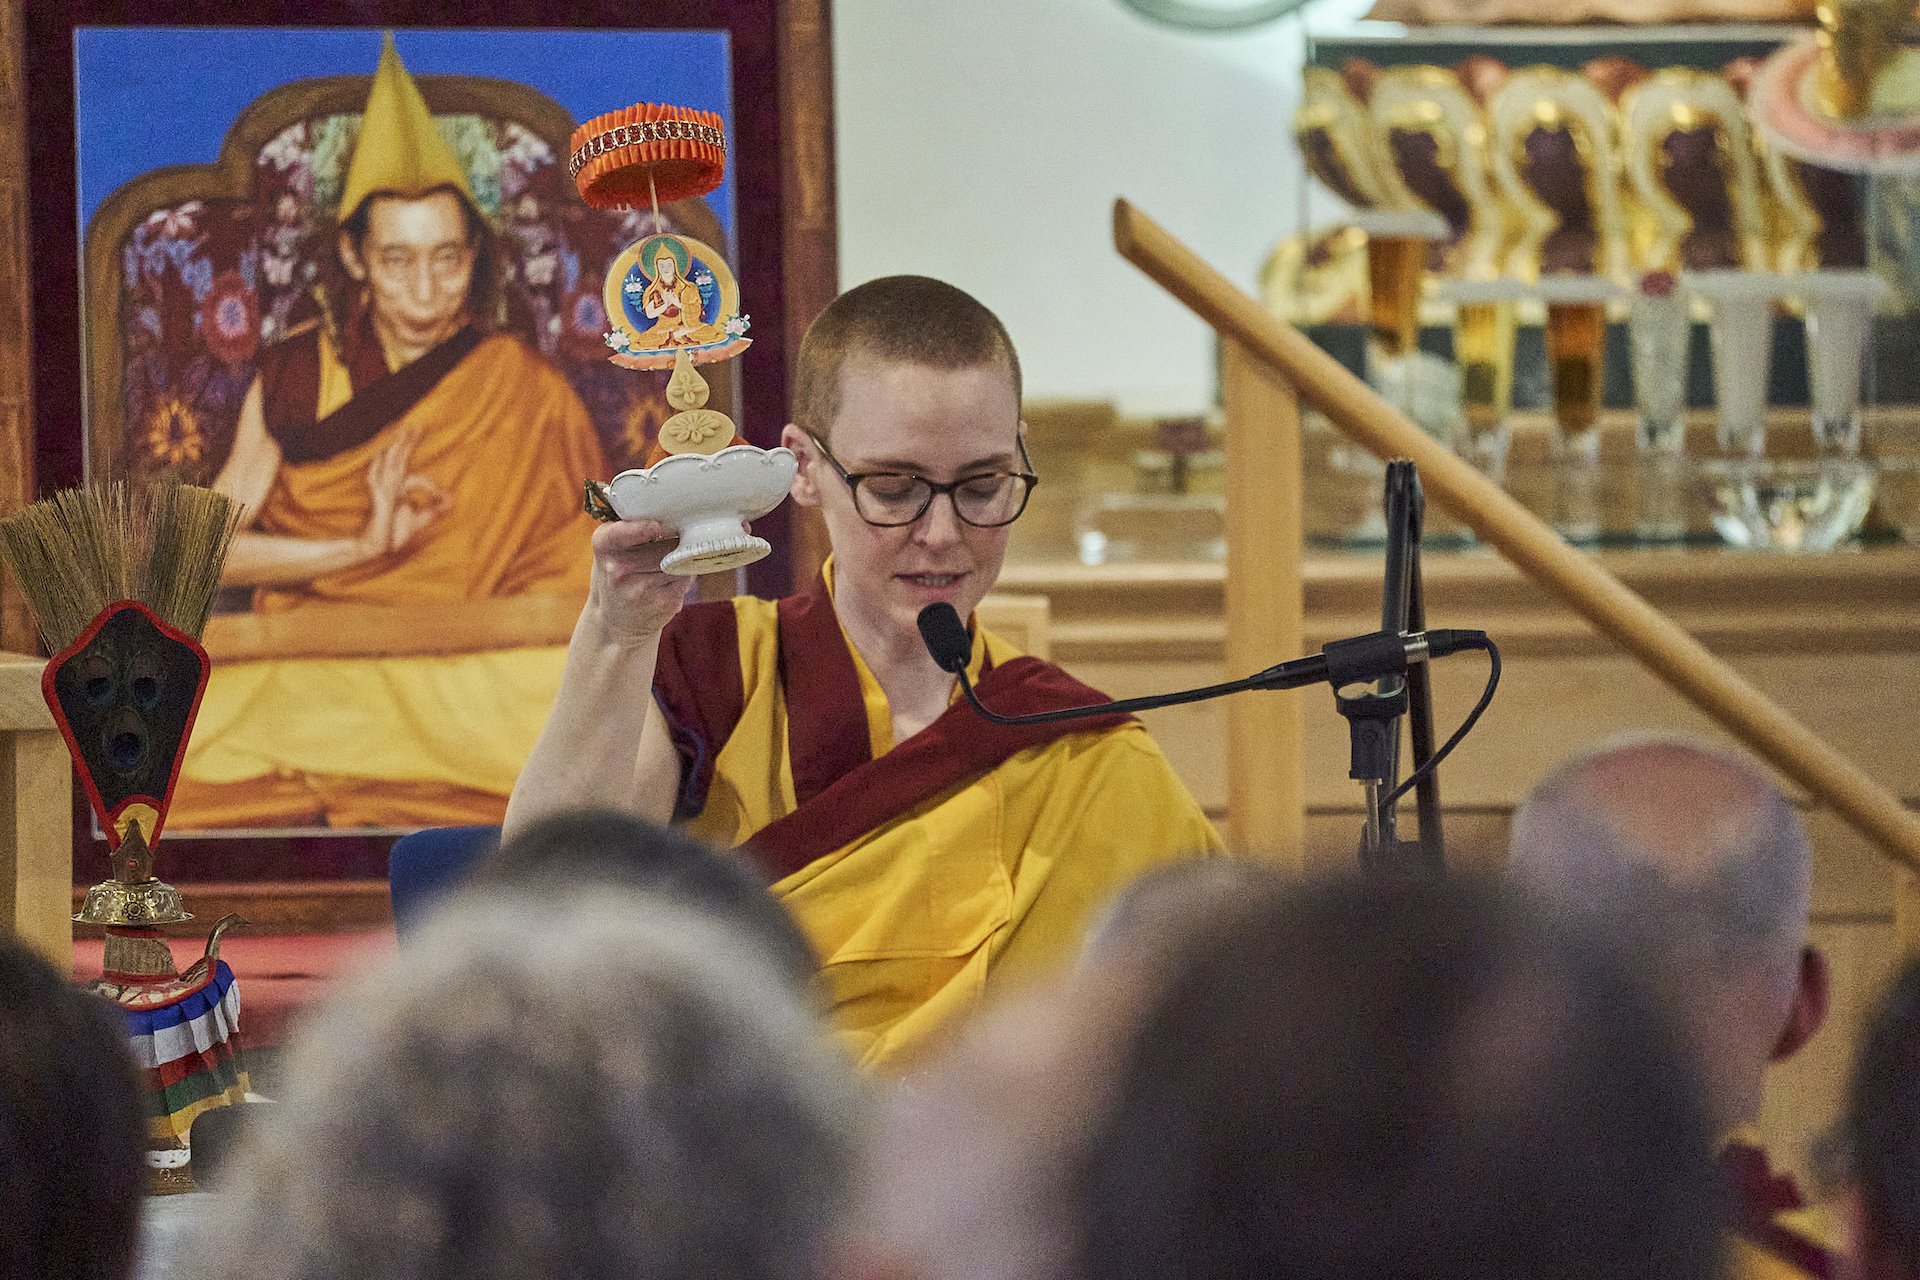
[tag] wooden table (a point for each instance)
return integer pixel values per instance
(36, 815)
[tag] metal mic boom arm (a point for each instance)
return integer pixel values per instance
(1361, 659)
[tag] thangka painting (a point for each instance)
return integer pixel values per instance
(343, 275)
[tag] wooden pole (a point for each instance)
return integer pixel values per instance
(1906, 915)
(1643, 631)
(1266, 607)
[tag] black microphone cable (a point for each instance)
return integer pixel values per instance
(1466, 726)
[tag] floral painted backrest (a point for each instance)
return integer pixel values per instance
(191, 271)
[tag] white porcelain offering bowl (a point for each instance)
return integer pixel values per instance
(708, 497)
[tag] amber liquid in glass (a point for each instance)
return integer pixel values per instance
(1483, 346)
(1395, 265)
(1576, 351)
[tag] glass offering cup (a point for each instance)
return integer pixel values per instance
(1839, 310)
(1742, 334)
(1788, 504)
(1483, 341)
(1395, 267)
(1576, 355)
(1659, 330)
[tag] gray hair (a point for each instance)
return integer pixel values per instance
(596, 1086)
(1688, 855)
(1155, 917)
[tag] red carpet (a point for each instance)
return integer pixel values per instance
(279, 975)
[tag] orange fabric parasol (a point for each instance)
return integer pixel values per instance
(647, 152)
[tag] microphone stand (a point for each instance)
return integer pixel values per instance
(1376, 679)
(1373, 714)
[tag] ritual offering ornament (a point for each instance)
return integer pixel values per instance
(673, 304)
(1695, 173)
(1848, 97)
(1434, 136)
(121, 578)
(1553, 156)
(1336, 138)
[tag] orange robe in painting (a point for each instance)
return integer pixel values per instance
(407, 741)
(509, 439)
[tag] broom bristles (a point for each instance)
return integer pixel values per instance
(160, 542)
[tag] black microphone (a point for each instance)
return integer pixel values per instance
(946, 637)
(1357, 661)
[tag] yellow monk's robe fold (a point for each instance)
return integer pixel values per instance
(508, 440)
(991, 878)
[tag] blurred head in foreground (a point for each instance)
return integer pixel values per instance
(966, 1177)
(596, 1086)
(1368, 1079)
(598, 846)
(72, 1128)
(1151, 921)
(968, 1172)
(1691, 860)
(1883, 1136)
(1349, 1079)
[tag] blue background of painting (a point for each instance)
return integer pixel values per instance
(148, 97)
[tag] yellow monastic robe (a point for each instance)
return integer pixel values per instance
(425, 740)
(992, 881)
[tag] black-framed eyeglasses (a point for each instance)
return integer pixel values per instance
(890, 499)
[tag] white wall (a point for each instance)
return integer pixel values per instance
(983, 142)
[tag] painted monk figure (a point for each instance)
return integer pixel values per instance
(926, 852)
(671, 300)
(399, 454)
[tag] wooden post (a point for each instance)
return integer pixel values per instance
(1266, 805)
(36, 816)
(1906, 915)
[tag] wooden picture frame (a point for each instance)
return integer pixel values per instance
(782, 91)
(787, 267)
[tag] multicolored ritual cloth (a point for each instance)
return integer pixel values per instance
(185, 1034)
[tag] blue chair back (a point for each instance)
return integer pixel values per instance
(424, 866)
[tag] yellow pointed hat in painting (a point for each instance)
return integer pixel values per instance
(400, 149)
